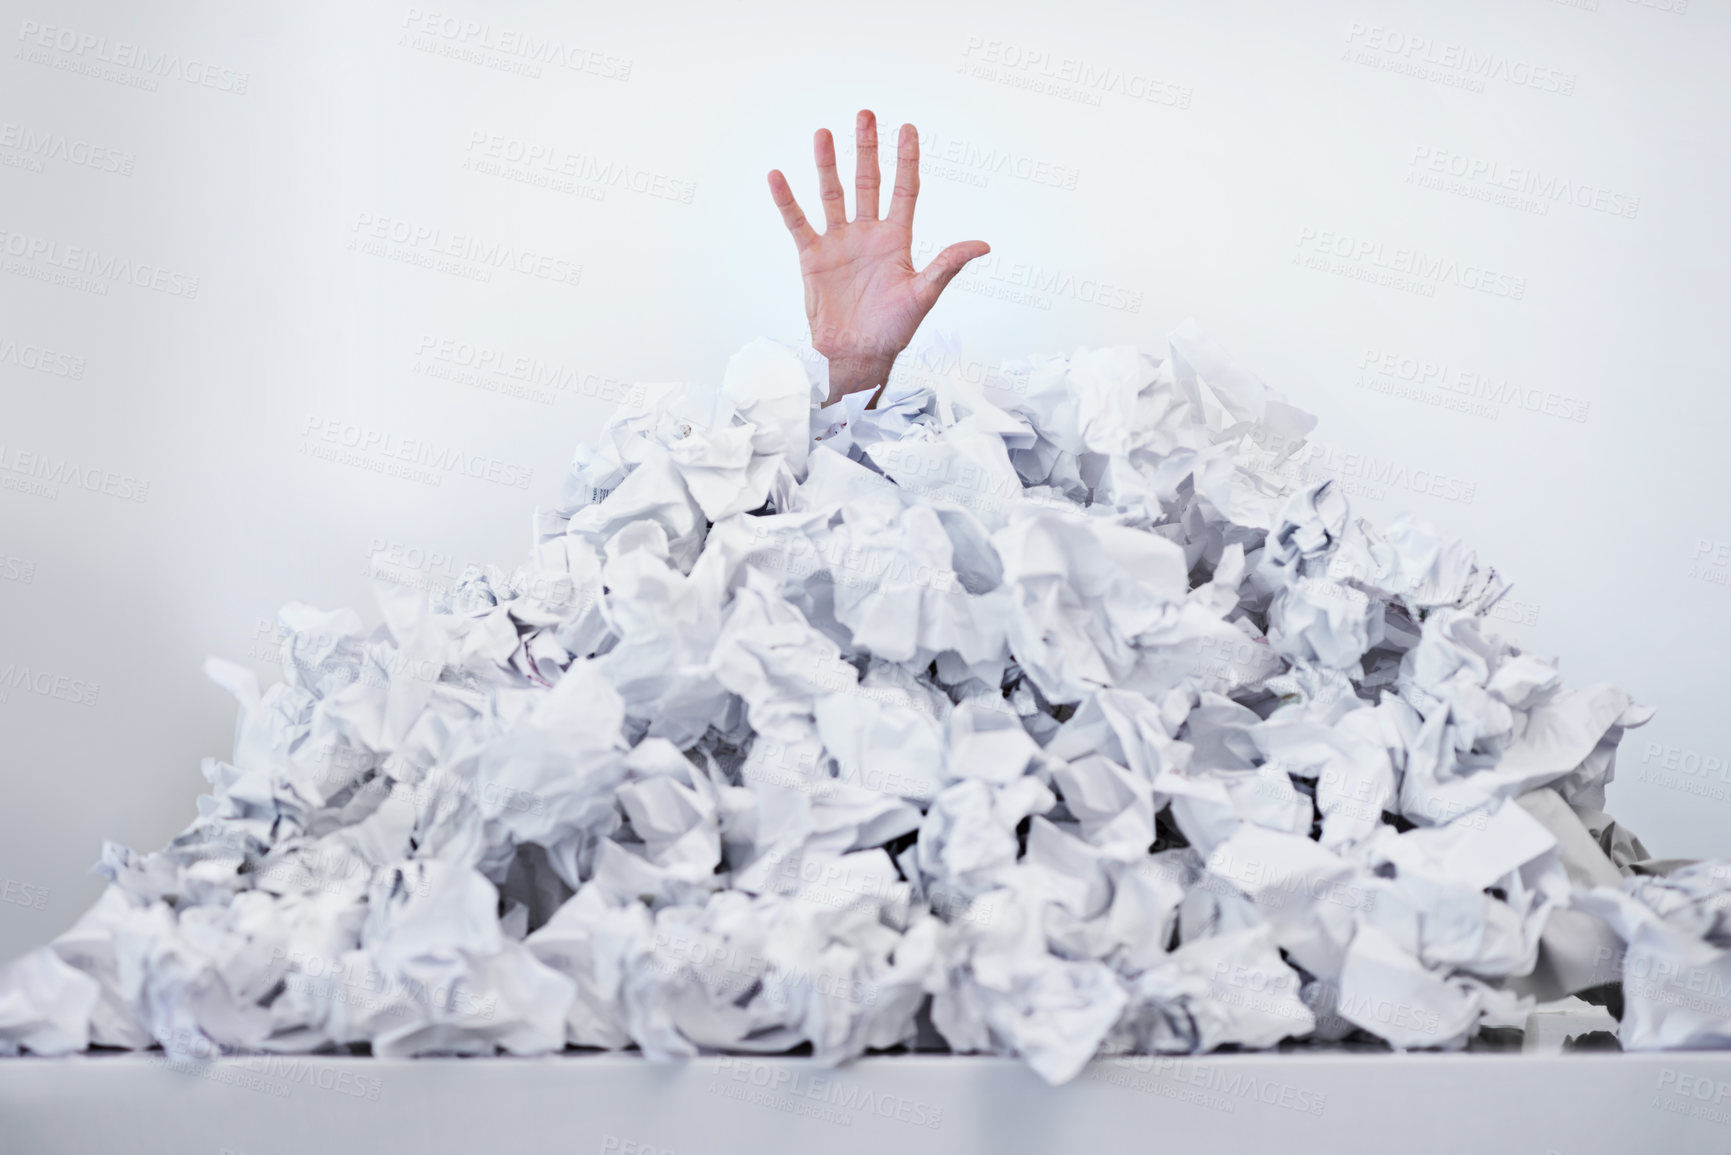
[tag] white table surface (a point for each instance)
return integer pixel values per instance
(1410, 1104)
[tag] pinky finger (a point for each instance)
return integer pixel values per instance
(803, 234)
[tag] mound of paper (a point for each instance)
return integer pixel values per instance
(1036, 717)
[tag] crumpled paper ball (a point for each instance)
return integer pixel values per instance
(1041, 712)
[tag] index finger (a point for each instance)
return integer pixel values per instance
(791, 216)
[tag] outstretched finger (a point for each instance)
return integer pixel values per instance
(828, 183)
(931, 280)
(907, 177)
(803, 234)
(866, 178)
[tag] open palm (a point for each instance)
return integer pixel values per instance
(863, 297)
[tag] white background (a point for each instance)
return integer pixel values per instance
(1192, 158)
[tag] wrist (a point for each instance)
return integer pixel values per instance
(852, 373)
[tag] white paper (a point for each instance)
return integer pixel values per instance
(1041, 704)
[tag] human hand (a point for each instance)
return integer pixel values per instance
(863, 298)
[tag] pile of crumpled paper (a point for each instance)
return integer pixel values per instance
(1041, 716)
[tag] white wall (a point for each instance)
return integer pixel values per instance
(1202, 152)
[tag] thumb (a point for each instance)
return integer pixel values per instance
(930, 281)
